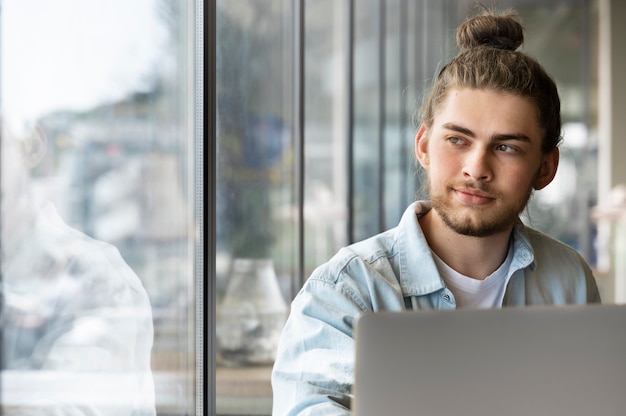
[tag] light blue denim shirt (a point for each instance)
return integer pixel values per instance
(394, 270)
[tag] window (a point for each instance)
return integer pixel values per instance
(99, 283)
(315, 137)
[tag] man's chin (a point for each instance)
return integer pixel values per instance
(474, 224)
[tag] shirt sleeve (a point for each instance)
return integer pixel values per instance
(314, 369)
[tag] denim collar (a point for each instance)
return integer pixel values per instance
(418, 272)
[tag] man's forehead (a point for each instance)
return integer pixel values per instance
(481, 111)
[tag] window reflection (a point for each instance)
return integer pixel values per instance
(73, 310)
(98, 234)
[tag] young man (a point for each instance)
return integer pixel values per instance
(489, 136)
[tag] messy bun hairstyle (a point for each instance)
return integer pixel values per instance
(489, 59)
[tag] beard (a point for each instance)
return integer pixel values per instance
(477, 221)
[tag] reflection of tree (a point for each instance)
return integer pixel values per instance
(250, 87)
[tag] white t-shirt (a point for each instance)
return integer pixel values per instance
(474, 293)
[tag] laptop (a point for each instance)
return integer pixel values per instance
(532, 361)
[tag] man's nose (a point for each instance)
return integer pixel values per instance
(478, 165)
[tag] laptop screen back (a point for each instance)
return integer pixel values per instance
(556, 361)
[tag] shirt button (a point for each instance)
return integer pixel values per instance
(446, 297)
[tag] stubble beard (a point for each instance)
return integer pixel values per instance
(476, 221)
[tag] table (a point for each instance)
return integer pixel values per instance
(243, 391)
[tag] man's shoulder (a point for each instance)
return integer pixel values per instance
(562, 275)
(370, 249)
(540, 239)
(359, 258)
(551, 252)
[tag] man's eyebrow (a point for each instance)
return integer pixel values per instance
(515, 136)
(500, 136)
(459, 129)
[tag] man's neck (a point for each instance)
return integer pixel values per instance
(475, 257)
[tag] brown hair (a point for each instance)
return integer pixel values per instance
(489, 59)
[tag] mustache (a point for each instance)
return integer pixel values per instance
(476, 187)
(472, 186)
(480, 186)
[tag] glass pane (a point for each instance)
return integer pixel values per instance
(256, 249)
(399, 169)
(325, 148)
(367, 106)
(98, 194)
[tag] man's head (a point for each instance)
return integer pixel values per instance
(489, 59)
(490, 130)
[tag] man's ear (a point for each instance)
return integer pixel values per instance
(547, 171)
(421, 146)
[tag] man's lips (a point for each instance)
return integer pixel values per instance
(473, 196)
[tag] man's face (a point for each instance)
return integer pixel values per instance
(483, 158)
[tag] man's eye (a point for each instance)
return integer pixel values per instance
(455, 140)
(506, 148)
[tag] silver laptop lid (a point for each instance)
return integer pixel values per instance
(556, 361)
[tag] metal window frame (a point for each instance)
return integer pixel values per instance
(206, 174)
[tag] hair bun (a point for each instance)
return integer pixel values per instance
(488, 29)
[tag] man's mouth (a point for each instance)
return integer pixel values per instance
(473, 196)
